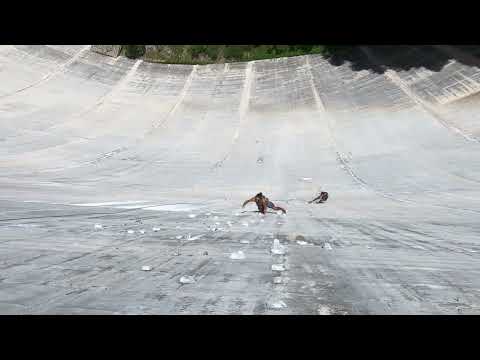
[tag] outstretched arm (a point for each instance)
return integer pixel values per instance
(247, 201)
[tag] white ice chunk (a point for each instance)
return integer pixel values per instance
(277, 280)
(146, 268)
(195, 237)
(191, 216)
(244, 242)
(302, 242)
(155, 229)
(98, 226)
(178, 237)
(323, 310)
(239, 255)
(278, 267)
(277, 248)
(328, 246)
(187, 279)
(130, 231)
(142, 231)
(276, 304)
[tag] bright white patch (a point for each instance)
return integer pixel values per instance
(130, 231)
(323, 310)
(239, 255)
(98, 226)
(277, 304)
(215, 218)
(307, 179)
(191, 238)
(261, 220)
(146, 268)
(142, 231)
(244, 242)
(245, 224)
(178, 237)
(110, 203)
(302, 242)
(187, 279)
(155, 229)
(277, 280)
(328, 246)
(191, 216)
(208, 214)
(277, 248)
(174, 207)
(278, 267)
(217, 223)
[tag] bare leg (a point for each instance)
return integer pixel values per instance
(276, 208)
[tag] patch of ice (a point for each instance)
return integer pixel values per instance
(110, 203)
(98, 226)
(276, 304)
(155, 229)
(302, 243)
(130, 231)
(215, 218)
(173, 207)
(208, 214)
(323, 310)
(277, 248)
(277, 280)
(192, 238)
(191, 216)
(187, 279)
(142, 231)
(307, 179)
(178, 237)
(146, 268)
(278, 267)
(238, 255)
(217, 223)
(244, 242)
(237, 214)
(328, 246)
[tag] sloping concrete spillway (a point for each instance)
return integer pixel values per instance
(108, 165)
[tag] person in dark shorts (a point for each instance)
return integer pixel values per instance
(263, 203)
(320, 198)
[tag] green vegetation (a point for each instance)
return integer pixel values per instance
(207, 54)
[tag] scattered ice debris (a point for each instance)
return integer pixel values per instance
(278, 267)
(98, 227)
(323, 310)
(191, 216)
(155, 229)
(244, 241)
(130, 231)
(328, 246)
(302, 243)
(142, 231)
(277, 280)
(277, 248)
(146, 268)
(239, 255)
(245, 224)
(187, 279)
(178, 237)
(276, 304)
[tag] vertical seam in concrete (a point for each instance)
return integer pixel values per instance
(60, 69)
(395, 79)
(181, 97)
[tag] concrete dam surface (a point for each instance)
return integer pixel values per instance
(121, 183)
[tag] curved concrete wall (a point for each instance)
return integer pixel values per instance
(397, 149)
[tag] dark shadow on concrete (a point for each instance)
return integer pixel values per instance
(379, 58)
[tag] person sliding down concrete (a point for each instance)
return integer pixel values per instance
(320, 198)
(263, 203)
